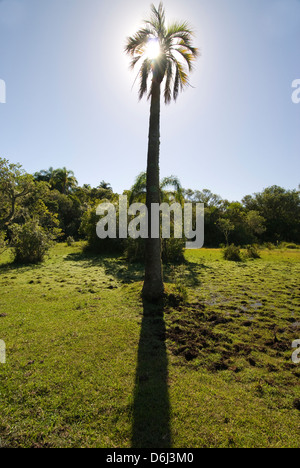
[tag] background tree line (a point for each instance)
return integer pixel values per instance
(38, 209)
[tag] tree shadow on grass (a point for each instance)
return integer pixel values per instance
(188, 273)
(129, 272)
(113, 265)
(151, 407)
(19, 267)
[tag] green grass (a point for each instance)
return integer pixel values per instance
(90, 365)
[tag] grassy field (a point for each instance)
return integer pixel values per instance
(90, 365)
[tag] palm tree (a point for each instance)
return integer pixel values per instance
(165, 53)
(64, 180)
(139, 189)
(105, 185)
(175, 195)
(45, 175)
(61, 179)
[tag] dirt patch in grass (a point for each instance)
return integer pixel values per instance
(238, 317)
(192, 333)
(224, 340)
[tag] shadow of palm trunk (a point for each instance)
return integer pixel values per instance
(151, 411)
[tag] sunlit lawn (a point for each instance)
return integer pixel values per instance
(89, 366)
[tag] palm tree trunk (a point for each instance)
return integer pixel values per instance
(153, 287)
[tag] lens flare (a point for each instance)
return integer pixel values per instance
(152, 50)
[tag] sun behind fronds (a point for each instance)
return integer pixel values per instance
(173, 60)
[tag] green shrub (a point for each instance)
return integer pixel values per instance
(135, 250)
(31, 242)
(70, 241)
(94, 243)
(233, 253)
(269, 246)
(172, 250)
(291, 246)
(252, 251)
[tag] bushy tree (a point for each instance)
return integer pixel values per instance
(31, 242)
(226, 227)
(280, 209)
(15, 186)
(69, 211)
(255, 223)
(94, 243)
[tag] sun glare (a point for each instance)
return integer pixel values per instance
(152, 50)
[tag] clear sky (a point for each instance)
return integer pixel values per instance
(70, 100)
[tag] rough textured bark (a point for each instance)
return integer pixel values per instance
(153, 287)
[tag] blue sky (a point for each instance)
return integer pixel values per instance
(70, 100)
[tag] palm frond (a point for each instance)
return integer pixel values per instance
(138, 190)
(176, 86)
(187, 56)
(181, 78)
(193, 50)
(157, 20)
(177, 30)
(144, 74)
(169, 76)
(134, 61)
(181, 34)
(135, 44)
(173, 181)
